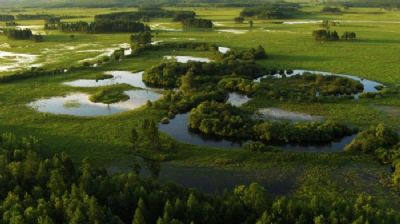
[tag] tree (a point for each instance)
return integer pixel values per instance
(56, 183)
(150, 136)
(141, 38)
(138, 217)
(187, 82)
(134, 138)
(239, 19)
(251, 23)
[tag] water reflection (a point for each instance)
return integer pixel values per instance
(79, 104)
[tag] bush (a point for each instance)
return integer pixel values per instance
(372, 139)
(257, 147)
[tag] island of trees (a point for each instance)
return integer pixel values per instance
(22, 34)
(280, 10)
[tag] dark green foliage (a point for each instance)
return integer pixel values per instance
(183, 15)
(309, 87)
(313, 132)
(168, 74)
(18, 34)
(272, 11)
(236, 84)
(103, 26)
(141, 38)
(197, 23)
(197, 46)
(54, 190)
(239, 19)
(52, 23)
(33, 16)
(111, 94)
(257, 147)
(6, 18)
(181, 102)
(246, 55)
(219, 119)
(146, 13)
(370, 140)
(325, 35)
(165, 74)
(328, 9)
(349, 36)
(384, 144)
(11, 23)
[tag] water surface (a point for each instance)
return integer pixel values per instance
(178, 129)
(237, 99)
(280, 114)
(118, 77)
(79, 104)
(186, 59)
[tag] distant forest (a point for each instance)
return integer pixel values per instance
(117, 3)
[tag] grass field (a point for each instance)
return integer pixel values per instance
(374, 55)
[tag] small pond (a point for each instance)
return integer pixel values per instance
(10, 61)
(186, 59)
(237, 99)
(79, 104)
(223, 50)
(273, 113)
(118, 77)
(233, 31)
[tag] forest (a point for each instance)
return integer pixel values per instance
(36, 189)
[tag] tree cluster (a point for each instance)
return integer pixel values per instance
(141, 38)
(272, 11)
(18, 34)
(22, 34)
(301, 132)
(246, 55)
(147, 13)
(6, 18)
(220, 120)
(103, 26)
(183, 15)
(327, 35)
(33, 16)
(308, 87)
(237, 84)
(225, 120)
(52, 23)
(384, 144)
(328, 9)
(197, 23)
(168, 74)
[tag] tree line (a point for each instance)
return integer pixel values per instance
(6, 18)
(197, 23)
(22, 34)
(281, 10)
(327, 35)
(103, 26)
(147, 13)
